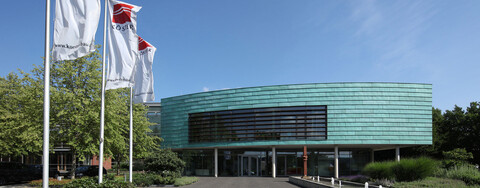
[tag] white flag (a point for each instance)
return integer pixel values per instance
(122, 43)
(143, 88)
(76, 22)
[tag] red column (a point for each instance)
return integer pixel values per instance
(305, 161)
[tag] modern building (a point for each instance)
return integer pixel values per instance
(262, 131)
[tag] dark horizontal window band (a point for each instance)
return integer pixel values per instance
(252, 139)
(246, 124)
(260, 127)
(265, 137)
(271, 123)
(259, 130)
(269, 118)
(313, 134)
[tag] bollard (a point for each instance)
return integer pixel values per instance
(313, 178)
(366, 184)
(333, 181)
(125, 175)
(380, 186)
(318, 178)
(340, 183)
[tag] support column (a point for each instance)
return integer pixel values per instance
(336, 161)
(372, 156)
(397, 153)
(216, 162)
(274, 162)
(241, 165)
(305, 158)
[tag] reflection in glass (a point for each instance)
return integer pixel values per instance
(259, 124)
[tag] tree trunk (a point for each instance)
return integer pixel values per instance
(74, 164)
(118, 164)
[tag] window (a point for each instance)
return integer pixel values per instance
(280, 123)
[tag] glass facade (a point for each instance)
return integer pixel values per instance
(154, 115)
(198, 162)
(321, 163)
(352, 161)
(279, 123)
(258, 162)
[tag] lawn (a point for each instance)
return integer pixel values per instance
(185, 181)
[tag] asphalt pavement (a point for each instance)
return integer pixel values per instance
(241, 182)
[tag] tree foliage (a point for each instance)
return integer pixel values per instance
(460, 129)
(456, 157)
(165, 162)
(21, 115)
(453, 130)
(74, 112)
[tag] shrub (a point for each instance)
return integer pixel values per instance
(166, 163)
(169, 180)
(413, 169)
(92, 182)
(431, 182)
(143, 180)
(405, 170)
(110, 176)
(85, 182)
(147, 179)
(124, 165)
(440, 172)
(467, 173)
(379, 170)
(456, 157)
(139, 166)
(116, 184)
(51, 182)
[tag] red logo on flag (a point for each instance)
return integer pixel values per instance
(142, 44)
(122, 13)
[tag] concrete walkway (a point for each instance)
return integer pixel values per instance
(246, 182)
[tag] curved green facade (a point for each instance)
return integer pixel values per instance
(372, 114)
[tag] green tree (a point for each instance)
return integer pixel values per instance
(460, 129)
(456, 157)
(21, 115)
(74, 112)
(472, 131)
(76, 107)
(117, 120)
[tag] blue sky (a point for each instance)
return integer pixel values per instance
(216, 44)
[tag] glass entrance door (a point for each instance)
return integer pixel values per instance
(248, 165)
(289, 163)
(281, 165)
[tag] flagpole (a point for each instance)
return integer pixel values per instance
(102, 110)
(131, 135)
(46, 99)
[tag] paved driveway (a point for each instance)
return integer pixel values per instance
(246, 182)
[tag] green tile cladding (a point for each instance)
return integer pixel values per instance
(358, 112)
